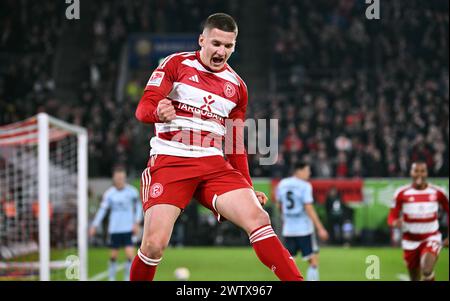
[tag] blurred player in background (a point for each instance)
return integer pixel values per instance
(294, 197)
(415, 210)
(125, 208)
(191, 94)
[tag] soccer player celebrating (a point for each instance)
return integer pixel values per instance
(193, 94)
(125, 208)
(295, 199)
(415, 210)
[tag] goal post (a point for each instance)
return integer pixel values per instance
(43, 200)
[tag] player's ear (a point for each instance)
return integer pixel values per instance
(201, 40)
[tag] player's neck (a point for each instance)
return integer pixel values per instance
(120, 187)
(300, 178)
(420, 186)
(198, 54)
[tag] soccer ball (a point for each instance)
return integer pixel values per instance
(182, 273)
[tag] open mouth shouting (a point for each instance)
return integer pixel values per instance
(217, 61)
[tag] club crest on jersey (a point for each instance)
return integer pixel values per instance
(432, 197)
(411, 199)
(156, 190)
(229, 90)
(156, 78)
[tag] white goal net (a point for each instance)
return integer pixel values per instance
(43, 200)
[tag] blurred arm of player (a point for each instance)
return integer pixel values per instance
(154, 106)
(323, 234)
(277, 199)
(443, 201)
(138, 216)
(101, 213)
(394, 218)
(237, 156)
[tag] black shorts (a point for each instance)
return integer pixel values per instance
(307, 245)
(119, 240)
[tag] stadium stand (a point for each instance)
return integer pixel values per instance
(357, 99)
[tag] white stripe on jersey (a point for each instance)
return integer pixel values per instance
(173, 148)
(411, 244)
(167, 59)
(437, 188)
(189, 123)
(226, 75)
(420, 209)
(197, 97)
(421, 228)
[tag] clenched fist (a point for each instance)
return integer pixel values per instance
(262, 198)
(165, 110)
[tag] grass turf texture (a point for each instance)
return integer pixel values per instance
(241, 264)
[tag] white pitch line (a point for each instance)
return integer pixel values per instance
(402, 277)
(105, 274)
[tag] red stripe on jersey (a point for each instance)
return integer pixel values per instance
(418, 237)
(408, 219)
(195, 138)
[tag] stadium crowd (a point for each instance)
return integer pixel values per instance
(355, 97)
(359, 97)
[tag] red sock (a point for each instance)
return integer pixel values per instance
(271, 252)
(143, 268)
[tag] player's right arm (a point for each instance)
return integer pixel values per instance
(154, 105)
(394, 218)
(104, 206)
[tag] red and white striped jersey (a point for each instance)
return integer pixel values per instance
(203, 100)
(419, 210)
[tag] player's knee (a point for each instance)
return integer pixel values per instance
(153, 247)
(261, 218)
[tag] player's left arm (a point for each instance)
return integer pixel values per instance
(137, 210)
(278, 199)
(443, 201)
(237, 156)
(311, 212)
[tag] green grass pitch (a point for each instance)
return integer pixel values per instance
(241, 264)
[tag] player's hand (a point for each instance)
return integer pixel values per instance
(397, 223)
(135, 229)
(165, 110)
(323, 234)
(445, 243)
(262, 198)
(92, 231)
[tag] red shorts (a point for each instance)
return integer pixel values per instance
(176, 180)
(412, 257)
